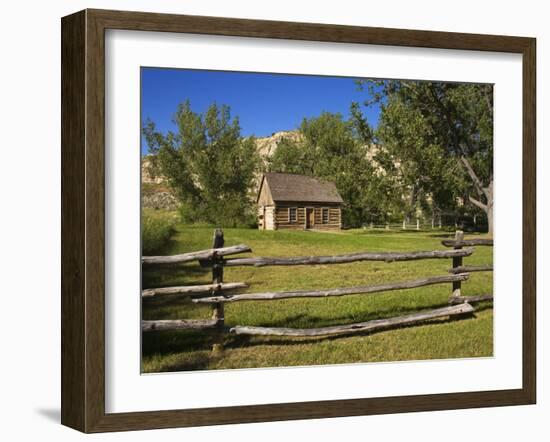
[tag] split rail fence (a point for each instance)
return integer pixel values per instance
(219, 293)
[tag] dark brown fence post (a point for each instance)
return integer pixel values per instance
(217, 278)
(457, 262)
(457, 285)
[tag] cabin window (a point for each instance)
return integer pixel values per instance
(325, 216)
(292, 214)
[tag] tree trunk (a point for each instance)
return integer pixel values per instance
(487, 192)
(490, 208)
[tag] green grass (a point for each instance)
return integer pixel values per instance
(186, 350)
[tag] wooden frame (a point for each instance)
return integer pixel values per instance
(83, 216)
(309, 221)
(290, 221)
(323, 211)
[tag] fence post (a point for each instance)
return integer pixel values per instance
(217, 278)
(457, 262)
(417, 224)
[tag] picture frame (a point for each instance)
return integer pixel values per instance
(83, 220)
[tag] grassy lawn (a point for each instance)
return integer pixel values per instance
(191, 350)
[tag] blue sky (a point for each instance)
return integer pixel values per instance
(264, 103)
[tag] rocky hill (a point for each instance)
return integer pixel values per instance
(155, 192)
(268, 145)
(148, 173)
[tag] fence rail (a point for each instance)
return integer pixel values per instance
(361, 327)
(467, 242)
(193, 289)
(471, 269)
(470, 299)
(369, 289)
(348, 258)
(179, 324)
(196, 256)
(218, 293)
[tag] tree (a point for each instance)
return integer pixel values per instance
(442, 136)
(330, 149)
(208, 164)
(291, 156)
(422, 171)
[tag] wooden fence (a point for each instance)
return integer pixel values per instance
(458, 268)
(219, 293)
(444, 221)
(417, 225)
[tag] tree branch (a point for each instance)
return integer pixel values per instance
(473, 176)
(478, 203)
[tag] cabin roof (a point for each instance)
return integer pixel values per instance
(301, 188)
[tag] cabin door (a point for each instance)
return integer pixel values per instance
(309, 218)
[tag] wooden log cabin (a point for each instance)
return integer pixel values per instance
(290, 201)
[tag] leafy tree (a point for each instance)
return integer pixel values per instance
(422, 172)
(208, 164)
(330, 149)
(291, 156)
(441, 137)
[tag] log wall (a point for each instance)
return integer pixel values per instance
(266, 219)
(282, 216)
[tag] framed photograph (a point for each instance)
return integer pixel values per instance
(266, 221)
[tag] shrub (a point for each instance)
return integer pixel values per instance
(156, 229)
(226, 213)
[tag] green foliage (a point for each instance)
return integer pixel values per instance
(428, 129)
(420, 168)
(208, 164)
(289, 157)
(156, 229)
(330, 149)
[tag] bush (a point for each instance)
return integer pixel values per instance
(226, 213)
(156, 229)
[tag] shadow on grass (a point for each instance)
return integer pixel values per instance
(169, 275)
(168, 342)
(482, 306)
(186, 350)
(196, 345)
(196, 361)
(307, 321)
(172, 301)
(201, 357)
(238, 341)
